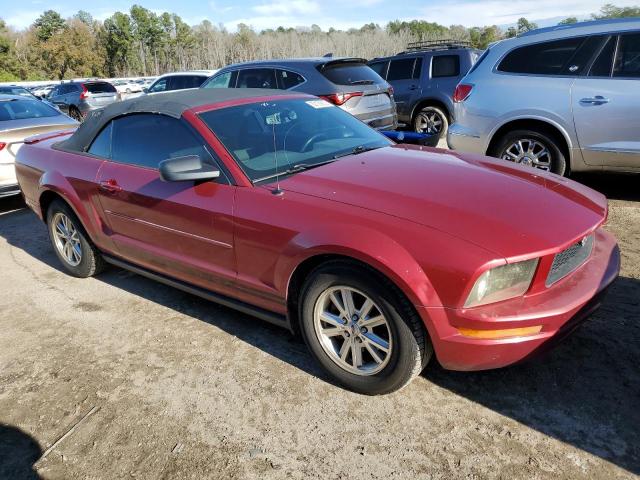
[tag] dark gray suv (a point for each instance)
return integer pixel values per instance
(424, 78)
(77, 99)
(346, 82)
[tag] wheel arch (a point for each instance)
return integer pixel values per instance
(54, 186)
(544, 126)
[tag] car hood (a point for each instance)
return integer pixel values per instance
(502, 207)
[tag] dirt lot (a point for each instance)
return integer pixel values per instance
(175, 387)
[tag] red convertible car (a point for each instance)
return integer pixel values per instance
(286, 207)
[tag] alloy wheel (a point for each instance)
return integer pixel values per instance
(529, 152)
(67, 239)
(352, 330)
(429, 122)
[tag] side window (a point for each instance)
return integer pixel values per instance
(287, 79)
(101, 145)
(627, 63)
(547, 58)
(380, 68)
(220, 81)
(604, 63)
(417, 69)
(159, 86)
(401, 69)
(257, 78)
(445, 66)
(146, 139)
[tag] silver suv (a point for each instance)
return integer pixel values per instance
(562, 99)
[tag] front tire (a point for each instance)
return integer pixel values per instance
(533, 149)
(361, 329)
(71, 243)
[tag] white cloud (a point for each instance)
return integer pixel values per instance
(501, 12)
(284, 7)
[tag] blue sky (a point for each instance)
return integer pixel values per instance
(339, 14)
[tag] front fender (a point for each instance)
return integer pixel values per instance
(366, 245)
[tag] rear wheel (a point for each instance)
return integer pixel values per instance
(70, 242)
(75, 114)
(361, 329)
(431, 120)
(532, 149)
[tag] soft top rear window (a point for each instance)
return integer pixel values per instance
(350, 73)
(100, 87)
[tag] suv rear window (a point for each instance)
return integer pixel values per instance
(547, 58)
(102, 87)
(627, 62)
(350, 74)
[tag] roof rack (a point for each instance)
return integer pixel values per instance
(443, 44)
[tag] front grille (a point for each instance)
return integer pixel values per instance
(568, 260)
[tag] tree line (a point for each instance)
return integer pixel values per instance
(143, 43)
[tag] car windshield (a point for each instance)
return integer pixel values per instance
(15, 109)
(296, 133)
(16, 91)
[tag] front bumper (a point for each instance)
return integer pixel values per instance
(559, 310)
(465, 140)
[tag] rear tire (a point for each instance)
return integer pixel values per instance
(71, 243)
(534, 149)
(431, 120)
(377, 353)
(75, 114)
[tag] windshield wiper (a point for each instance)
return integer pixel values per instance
(356, 151)
(297, 168)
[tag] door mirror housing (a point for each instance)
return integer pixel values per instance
(187, 168)
(145, 90)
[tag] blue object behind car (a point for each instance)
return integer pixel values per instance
(424, 78)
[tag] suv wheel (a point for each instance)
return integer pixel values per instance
(70, 242)
(431, 120)
(532, 149)
(365, 335)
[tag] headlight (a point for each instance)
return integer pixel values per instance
(500, 283)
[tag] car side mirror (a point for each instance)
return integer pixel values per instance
(145, 90)
(187, 168)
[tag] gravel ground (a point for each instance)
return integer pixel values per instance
(126, 378)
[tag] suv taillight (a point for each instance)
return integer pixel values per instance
(2, 145)
(85, 93)
(340, 98)
(463, 90)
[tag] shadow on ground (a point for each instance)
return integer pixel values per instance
(18, 454)
(584, 393)
(616, 186)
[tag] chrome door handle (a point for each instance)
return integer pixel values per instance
(597, 100)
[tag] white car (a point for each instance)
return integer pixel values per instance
(127, 86)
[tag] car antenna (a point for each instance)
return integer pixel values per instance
(277, 190)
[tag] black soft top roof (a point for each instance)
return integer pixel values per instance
(173, 104)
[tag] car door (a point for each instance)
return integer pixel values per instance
(404, 77)
(181, 229)
(606, 103)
